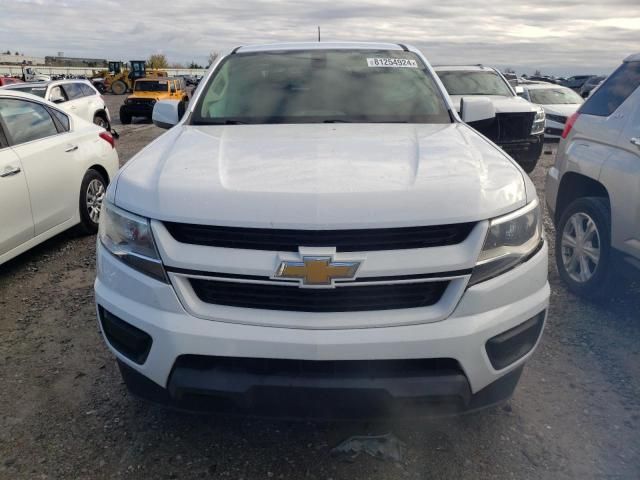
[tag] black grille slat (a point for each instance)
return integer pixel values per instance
(514, 126)
(287, 240)
(339, 299)
(363, 368)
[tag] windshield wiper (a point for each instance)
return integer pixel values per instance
(220, 122)
(336, 121)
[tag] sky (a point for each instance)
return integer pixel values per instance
(560, 37)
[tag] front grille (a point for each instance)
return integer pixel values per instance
(336, 368)
(339, 299)
(285, 240)
(141, 101)
(514, 126)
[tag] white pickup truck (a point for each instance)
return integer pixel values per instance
(30, 74)
(518, 125)
(320, 234)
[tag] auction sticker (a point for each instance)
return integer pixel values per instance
(392, 62)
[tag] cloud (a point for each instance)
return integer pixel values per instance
(561, 37)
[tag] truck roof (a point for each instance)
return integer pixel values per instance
(322, 46)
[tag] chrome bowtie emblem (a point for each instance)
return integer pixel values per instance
(317, 270)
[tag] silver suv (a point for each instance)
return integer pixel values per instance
(593, 190)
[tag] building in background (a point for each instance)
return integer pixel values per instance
(62, 61)
(12, 59)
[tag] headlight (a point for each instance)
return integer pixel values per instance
(538, 122)
(129, 238)
(511, 239)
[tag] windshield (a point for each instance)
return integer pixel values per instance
(32, 89)
(554, 96)
(321, 86)
(151, 86)
(461, 82)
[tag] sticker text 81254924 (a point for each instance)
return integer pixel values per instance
(392, 62)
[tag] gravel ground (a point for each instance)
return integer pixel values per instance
(65, 412)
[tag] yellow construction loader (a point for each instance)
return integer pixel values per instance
(121, 76)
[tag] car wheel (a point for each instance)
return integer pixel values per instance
(101, 122)
(583, 247)
(119, 87)
(92, 192)
(125, 117)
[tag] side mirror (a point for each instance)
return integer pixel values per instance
(57, 98)
(474, 109)
(519, 89)
(167, 113)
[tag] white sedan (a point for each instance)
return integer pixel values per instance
(54, 169)
(77, 97)
(558, 102)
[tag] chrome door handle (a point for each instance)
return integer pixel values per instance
(71, 149)
(635, 141)
(10, 171)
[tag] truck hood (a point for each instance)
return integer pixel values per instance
(317, 176)
(501, 103)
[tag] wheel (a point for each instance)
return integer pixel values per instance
(101, 122)
(125, 117)
(119, 87)
(583, 247)
(92, 193)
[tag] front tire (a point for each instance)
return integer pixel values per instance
(119, 87)
(125, 117)
(92, 192)
(101, 122)
(583, 247)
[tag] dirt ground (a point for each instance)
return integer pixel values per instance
(65, 413)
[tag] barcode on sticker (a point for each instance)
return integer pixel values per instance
(392, 62)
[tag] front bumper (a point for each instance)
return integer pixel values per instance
(530, 147)
(138, 110)
(485, 311)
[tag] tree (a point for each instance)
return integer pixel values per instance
(537, 73)
(194, 65)
(212, 57)
(157, 60)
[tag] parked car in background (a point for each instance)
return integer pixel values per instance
(593, 90)
(593, 189)
(518, 126)
(575, 83)
(322, 233)
(54, 170)
(558, 102)
(78, 97)
(4, 81)
(590, 84)
(148, 91)
(542, 78)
